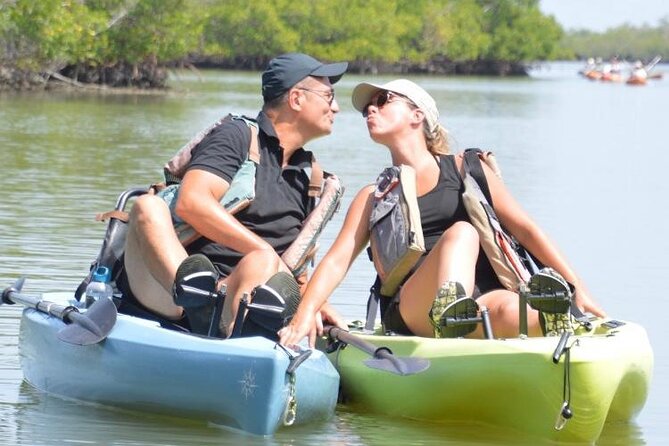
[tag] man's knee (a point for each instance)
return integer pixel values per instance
(147, 210)
(261, 260)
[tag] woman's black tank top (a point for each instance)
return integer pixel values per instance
(442, 207)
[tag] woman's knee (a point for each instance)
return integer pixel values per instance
(466, 232)
(460, 232)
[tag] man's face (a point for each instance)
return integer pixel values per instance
(319, 105)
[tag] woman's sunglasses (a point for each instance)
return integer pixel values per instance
(382, 99)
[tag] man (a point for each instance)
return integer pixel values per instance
(299, 106)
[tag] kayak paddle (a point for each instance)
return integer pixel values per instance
(87, 328)
(382, 357)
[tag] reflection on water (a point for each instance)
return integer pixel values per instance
(585, 159)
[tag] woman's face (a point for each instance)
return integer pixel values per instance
(388, 115)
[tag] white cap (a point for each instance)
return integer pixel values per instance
(362, 95)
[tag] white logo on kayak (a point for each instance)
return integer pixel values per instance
(248, 383)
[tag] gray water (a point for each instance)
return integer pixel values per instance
(585, 159)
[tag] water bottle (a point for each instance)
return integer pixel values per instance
(99, 286)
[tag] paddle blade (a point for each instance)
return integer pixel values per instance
(399, 365)
(90, 327)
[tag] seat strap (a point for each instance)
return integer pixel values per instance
(316, 180)
(373, 304)
(254, 150)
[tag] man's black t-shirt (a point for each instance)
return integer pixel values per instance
(281, 204)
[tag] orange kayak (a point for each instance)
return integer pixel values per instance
(634, 80)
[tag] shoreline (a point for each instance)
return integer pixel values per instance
(154, 79)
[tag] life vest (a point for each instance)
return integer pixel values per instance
(396, 235)
(396, 238)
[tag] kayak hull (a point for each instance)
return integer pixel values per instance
(238, 383)
(634, 80)
(510, 383)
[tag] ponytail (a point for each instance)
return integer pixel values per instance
(437, 141)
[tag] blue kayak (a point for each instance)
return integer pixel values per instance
(245, 384)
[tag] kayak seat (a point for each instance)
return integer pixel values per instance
(550, 294)
(195, 290)
(272, 307)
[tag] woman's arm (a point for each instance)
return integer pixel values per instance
(528, 233)
(351, 240)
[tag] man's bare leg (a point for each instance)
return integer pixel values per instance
(152, 255)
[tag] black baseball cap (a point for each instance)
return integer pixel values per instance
(284, 71)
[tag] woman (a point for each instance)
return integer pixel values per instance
(403, 117)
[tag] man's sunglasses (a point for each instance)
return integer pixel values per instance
(382, 99)
(327, 96)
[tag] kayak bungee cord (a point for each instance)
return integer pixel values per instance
(565, 413)
(290, 414)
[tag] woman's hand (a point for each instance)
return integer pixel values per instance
(307, 323)
(330, 316)
(585, 303)
(303, 324)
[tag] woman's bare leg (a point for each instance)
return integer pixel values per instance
(452, 258)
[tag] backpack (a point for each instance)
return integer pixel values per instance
(113, 244)
(510, 261)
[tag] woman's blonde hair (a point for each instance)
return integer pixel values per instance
(437, 141)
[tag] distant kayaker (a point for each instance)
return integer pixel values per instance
(639, 71)
(299, 106)
(404, 117)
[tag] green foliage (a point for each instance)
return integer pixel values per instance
(625, 41)
(240, 28)
(454, 30)
(48, 32)
(66, 32)
(519, 31)
(161, 29)
(56, 33)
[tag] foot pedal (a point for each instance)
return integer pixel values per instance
(195, 291)
(548, 292)
(447, 293)
(272, 306)
(195, 282)
(459, 318)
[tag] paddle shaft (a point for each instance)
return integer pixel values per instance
(88, 328)
(367, 347)
(67, 313)
(652, 63)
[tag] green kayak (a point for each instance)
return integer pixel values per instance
(553, 390)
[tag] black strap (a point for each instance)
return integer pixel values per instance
(373, 304)
(472, 165)
(533, 265)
